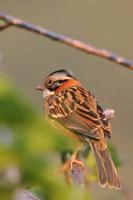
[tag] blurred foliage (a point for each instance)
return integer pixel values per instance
(30, 149)
(2, 22)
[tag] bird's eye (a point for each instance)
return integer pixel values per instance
(50, 81)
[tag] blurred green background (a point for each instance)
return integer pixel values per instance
(27, 58)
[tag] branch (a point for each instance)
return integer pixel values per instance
(73, 171)
(22, 194)
(77, 175)
(87, 48)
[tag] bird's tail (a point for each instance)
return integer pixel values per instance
(106, 169)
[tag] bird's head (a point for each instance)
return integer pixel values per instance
(54, 81)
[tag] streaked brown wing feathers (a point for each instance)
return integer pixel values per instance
(105, 123)
(77, 110)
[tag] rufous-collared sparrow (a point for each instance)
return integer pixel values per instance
(75, 108)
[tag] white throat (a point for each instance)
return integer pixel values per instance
(47, 93)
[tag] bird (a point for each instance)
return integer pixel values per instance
(76, 109)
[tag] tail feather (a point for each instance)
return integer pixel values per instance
(106, 169)
(100, 166)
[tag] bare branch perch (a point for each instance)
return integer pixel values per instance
(87, 48)
(73, 171)
(77, 175)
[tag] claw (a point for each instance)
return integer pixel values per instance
(74, 160)
(68, 166)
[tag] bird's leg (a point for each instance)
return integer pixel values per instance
(68, 165)
(75, 159)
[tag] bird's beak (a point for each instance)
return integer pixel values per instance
(45, 91)
(40, 87)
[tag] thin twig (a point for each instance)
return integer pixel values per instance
(87, 48)
(73, 171)
(4, 26)
(22, 194)
(77, 175)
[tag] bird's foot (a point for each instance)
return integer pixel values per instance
(68, 165)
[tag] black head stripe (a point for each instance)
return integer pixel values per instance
(62, 71)
(56, 84)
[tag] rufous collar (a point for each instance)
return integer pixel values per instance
(68, 84)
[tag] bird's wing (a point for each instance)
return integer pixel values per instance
(105, 122)
(76, 109)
